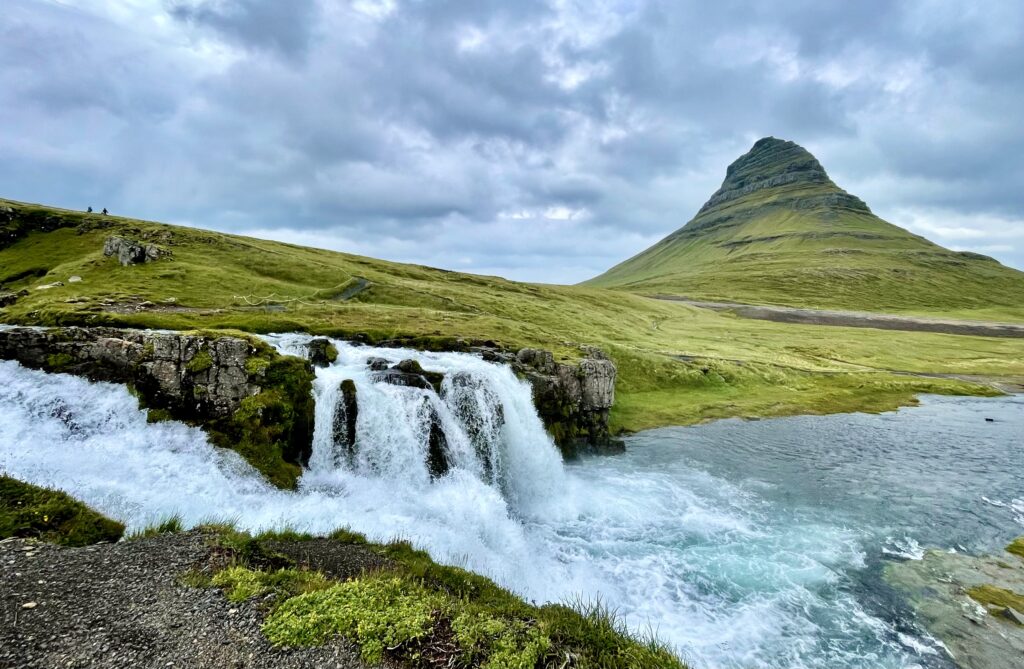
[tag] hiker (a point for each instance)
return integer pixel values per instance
(104, 211)
(89, 210)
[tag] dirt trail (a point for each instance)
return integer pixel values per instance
(857, 319)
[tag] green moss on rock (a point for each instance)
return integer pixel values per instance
(1016, 547)
(33, 512)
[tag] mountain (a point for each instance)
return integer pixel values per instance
(780, 231)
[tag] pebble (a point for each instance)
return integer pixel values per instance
(29, 605)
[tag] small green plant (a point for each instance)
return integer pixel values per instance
(1016, 547)
(200, 362)
(167, 525)
(346, 536)
(241, 583)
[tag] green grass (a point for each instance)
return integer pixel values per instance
(755, 368)
(168, 525)
(414, 612)
(50, 515)
(780, 246)
(1017, 548)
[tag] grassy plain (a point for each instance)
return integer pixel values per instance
(677, 364)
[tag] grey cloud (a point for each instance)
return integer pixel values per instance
(463, 133)
(286, 27)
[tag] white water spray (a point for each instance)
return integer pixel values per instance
(714, 566)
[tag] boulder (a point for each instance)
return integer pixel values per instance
(346, 413)
(130, 252)
(7, 298)
(377, 364)
(437, 448)
(410, 373)
(322, 352)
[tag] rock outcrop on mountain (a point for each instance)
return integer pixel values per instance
(243, 393)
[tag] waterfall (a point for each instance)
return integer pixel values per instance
(481, 421)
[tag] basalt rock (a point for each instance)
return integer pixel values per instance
(410, 373)
(130, 252)
(573, 400)
(322, 352)
(346, 413)
(244, 394)
(377, 364)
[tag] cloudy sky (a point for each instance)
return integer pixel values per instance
(537, 140)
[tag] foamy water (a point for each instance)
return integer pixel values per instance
(719, 562)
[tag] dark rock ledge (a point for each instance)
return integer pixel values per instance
(244, 394)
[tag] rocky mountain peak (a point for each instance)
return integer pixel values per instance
(771, 163)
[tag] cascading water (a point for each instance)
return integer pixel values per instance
(488, 425)
(745, 544)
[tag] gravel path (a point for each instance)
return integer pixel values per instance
(857, 319)
(120, 605)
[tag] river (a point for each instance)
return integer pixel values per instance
(742, 543)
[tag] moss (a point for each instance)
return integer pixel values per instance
(256, 366)
(379, 612)
(1016, 547)
(200, 362)
(996, 598)
(331, 352)
(158, 415)
(58, 361)
(241, 583)
(30, 511)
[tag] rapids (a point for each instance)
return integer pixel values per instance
(744, 544)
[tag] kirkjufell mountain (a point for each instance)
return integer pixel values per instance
(780, 231)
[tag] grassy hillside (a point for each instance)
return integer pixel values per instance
(779, 231)
(677, 364)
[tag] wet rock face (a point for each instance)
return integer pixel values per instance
(573, 400)
(129, 252)
(201, 376)
(346, 413)
(408, 373)
(243, 396)
(321, 352)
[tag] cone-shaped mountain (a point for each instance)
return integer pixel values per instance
(779, 231)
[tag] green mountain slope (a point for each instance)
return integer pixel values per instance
(779, 231)
(677, 364)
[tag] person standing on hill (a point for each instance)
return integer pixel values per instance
(89, 210)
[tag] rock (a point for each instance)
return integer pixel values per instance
(74, 279)
(346, 413)
(47, 286)
(322, 352)
(7, 298)
(573, 400)
(410, 374)
(131, 252)
(437, 447)
(1013, 615)
(377, 364)
(218, 382)
(29, 605)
